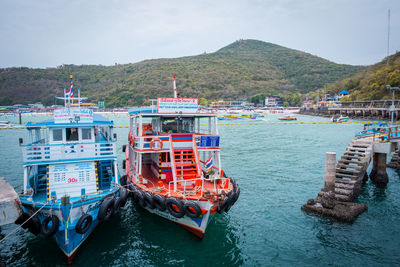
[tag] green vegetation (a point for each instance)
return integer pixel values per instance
(371, 82)
(242, 70)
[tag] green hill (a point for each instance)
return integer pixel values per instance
(238, 71)
(371, 82)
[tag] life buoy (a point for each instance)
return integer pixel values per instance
(55, 223)
(156, 148)
(192, 209)
(106, 209)
(175, 207)
(83, 224)
(159, 202)
(33, 225)
(123, 195)
(148, 199)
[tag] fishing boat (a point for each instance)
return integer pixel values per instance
(339, 118)
(287, 118)
(71, 179)
(173, 163)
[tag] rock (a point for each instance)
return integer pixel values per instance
(311, 201)
(342, 211)
(328, 200)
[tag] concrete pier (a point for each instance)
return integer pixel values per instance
(330, 172)
(10, 205)
(378, 174)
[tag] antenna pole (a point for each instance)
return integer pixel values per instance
(388, 39)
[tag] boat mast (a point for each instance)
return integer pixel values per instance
(175, 90)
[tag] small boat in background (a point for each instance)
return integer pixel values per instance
(373, 128)
(287, 118)
(5, 124)
(339, 118)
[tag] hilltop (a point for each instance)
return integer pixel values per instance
(371, 82)
(238, 71)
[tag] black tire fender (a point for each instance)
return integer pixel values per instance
(55, 223)
(159, 202)
(148, 198)
(170, 203)
(122, 180)
(117, 204)
(83, 224)
(139, 198)
(106, 209)
(123, 164)
(124, 148)
(224, 204)
(123, 195)
(192, 209)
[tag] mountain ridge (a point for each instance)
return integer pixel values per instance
(239, 70)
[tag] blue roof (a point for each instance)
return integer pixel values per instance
(344, 92)
(97, 120)
(142, 110)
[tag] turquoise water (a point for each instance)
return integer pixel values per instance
(278, 168)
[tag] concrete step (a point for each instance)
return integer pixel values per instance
(357, 162)
(343, 198)
(345, 171)
(354, 153)
(346, 176)
(345, 192)
(344, 186)
(352, 157)
(342, 181)
(348, 166)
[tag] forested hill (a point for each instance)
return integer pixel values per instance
(238, 71)
(370, 83)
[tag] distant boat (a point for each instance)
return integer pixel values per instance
(287, 118)
(339, 118)
(373, 128)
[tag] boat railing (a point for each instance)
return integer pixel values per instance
(34, 153)
(202, 141)
(188, 187)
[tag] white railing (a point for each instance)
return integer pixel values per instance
(39, 153)
(143, 142)
(192, 187)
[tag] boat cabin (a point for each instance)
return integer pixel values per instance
(74, 154)
(173, 145)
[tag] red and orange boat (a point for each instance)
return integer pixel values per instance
(173, 165)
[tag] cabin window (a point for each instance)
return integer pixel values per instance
(72, 134)
(57, 135)
(86, 134)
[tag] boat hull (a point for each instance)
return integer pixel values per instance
(197, 226)
(66, 237)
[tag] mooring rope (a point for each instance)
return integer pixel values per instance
(20, 226)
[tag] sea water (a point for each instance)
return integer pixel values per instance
(278, 167)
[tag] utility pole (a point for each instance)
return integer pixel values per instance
(387, 62)
(392, 108)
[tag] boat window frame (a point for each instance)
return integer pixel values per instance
(81, 139)
(62, 136)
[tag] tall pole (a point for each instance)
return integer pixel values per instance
(387, 62)
(392, 108)
(175, 90)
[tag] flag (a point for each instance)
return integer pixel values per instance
(208, 164)
(70, 92)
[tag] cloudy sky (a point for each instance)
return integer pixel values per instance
(47, 33)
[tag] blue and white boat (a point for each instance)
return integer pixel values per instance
(71, 179)
(373, 129)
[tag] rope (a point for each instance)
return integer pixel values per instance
(20, 226)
